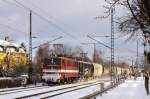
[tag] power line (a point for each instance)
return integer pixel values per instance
(28, 9)
(45, 19)
(38, 8)
(12, 28)
(47, 42)
(108, 36)
(56, 26)
(98, 42)
(11, 3)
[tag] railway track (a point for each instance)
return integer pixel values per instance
(45, 90)
(33, 91)
(59, 91)
(69, 90)
(16, 90)
(21, 89)
(93, 95)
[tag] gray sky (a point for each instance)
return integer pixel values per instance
(75, 17)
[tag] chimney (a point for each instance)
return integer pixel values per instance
(6, 38)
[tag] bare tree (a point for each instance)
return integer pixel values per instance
(137, 19)
(97, 57)
(42, 52)
(122, 64)
(66, 50)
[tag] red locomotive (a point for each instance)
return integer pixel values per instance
(61, 69)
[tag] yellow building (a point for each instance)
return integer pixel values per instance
(11, 55)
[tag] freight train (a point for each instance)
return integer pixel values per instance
(62, 69)
(11, 56)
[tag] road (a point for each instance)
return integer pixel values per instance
(131, 89)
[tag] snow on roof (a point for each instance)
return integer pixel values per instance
(6, 43)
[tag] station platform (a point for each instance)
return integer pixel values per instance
(130, 89)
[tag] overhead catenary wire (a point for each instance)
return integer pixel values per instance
(98, 42)
(18, 4)
(56, 26)
(118, 37)
(33, 5)
(47, 42)
(9, 27)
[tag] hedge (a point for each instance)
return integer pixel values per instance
(8, 82)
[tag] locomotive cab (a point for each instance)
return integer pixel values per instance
(51, 69)
(60, 70)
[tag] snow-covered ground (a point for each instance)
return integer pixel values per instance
(25, 92)
(81, 93)
(131, 89)
(17, 88)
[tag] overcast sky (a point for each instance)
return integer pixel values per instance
(75, 17)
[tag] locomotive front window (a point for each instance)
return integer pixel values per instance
(52, 61)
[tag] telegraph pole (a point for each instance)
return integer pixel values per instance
(30, 46)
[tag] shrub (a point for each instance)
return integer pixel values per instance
(8, 82)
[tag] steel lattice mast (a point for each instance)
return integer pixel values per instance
(112, 46)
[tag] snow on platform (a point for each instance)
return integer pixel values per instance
(131, 89)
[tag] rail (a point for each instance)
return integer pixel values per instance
(71, 88)
(90, 96)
